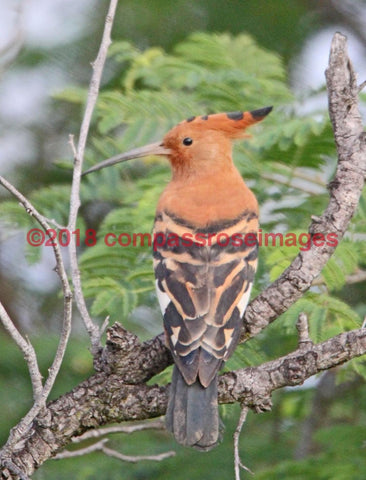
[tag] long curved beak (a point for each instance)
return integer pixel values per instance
(151, 149)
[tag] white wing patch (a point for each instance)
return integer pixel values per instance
(243, 302)
(163, 298)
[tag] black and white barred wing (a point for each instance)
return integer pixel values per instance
(203, 286)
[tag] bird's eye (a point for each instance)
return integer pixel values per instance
(187, 141)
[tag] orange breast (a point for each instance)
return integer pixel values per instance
(209, 199)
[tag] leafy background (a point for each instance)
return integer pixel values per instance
(155, 78)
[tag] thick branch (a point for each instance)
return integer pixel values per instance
(252, 385)
(106, 398)
(345, 191)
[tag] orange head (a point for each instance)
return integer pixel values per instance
(197, 142)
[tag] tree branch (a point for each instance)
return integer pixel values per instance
(93, 330)
(101, 432)
(357, 277)
(253, 386)
(101, 445)
(136, 459)
(237, 461)
(28, 352)
(106, 398)
(40, 392)
(345, 191)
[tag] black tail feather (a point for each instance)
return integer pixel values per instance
(192, 415)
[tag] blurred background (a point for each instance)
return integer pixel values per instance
(47, 47)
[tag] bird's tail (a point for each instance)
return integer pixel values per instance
(192, 415)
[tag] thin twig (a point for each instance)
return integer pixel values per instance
(93, 329)
(237, 462)
(136, 459)
(128, 429)
(302, 326)
(280, 180)
(96, 447)
(100, 447)
(19, 430)
(361, 86)
(105, 325)
(28, 352)
(296, 173)
(42, 395)
(292, 178)
(358, 277)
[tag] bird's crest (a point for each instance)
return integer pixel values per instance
(232, 124)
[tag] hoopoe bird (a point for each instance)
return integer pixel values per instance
(205, 257)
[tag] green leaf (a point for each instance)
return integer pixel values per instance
(110, 298)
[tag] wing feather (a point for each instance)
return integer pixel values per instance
(203, 290)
